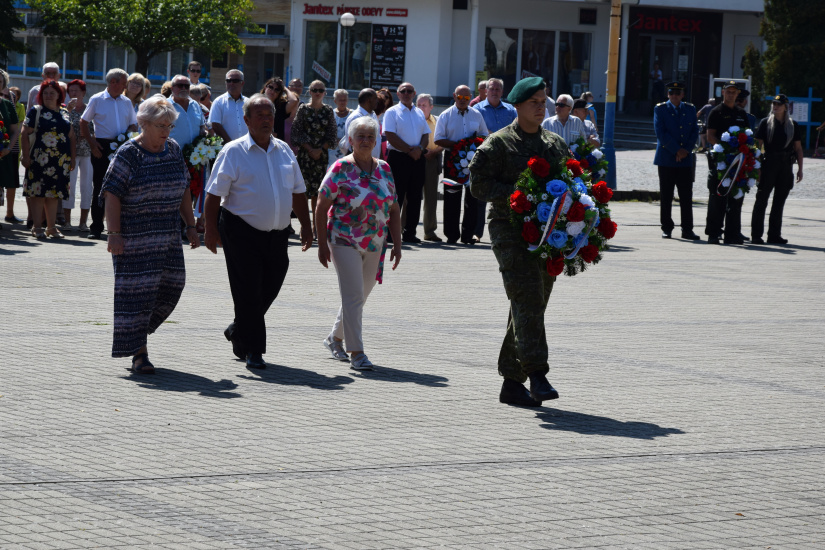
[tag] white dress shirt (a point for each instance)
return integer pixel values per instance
(454, 126)
(257, 185)
(228, 113)
(111, 115)
(188, 124)
(570, 131)
(343, 145)
(408, 124)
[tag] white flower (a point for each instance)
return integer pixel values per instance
(757, 153)
(465, 171)
(751, 182)
(602, 173)
(527, 218)
(726, 136)
(598, 154)
(47, 116)
(113, 146)
(544, 196)
(50, 171)
(721, 165)
(568, 202)
(587, 201)
(121, 137)
(739, 194)
(470, 155)
(757, 164)
(544, 255)
(50, 140)
(543, 227)
(733, 129)
(531, 198)
(718, 148)
(748, 132)
(574, 228)
(42, 159)
(111, 157)
(726, 182)
(464, 163)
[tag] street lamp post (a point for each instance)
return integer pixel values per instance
(347, 20)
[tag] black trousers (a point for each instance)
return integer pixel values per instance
(680, 178)
(257, 262)
(99, 167)
(452, 214)
(777, 176)
(725, 211)
(409, 186)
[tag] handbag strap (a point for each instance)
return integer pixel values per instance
(37, 108)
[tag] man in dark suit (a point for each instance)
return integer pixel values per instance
(676, 133)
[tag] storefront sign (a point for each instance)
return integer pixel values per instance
(325, 74)
(799, 111)
(644, 22)
(389, 45)
(321, 9)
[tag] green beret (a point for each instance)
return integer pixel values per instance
(524, 89)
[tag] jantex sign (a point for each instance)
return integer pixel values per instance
(672, 23)
(321, 9)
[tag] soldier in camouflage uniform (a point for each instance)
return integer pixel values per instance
(493, 173)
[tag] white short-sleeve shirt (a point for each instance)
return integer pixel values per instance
(257, 185)
(228, 113)
(570, 131)
(111, 115)
(407, 124)
(454, 126)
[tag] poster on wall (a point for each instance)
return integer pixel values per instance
(389, 46)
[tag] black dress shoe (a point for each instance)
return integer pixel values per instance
(757, 240)
(743, 237)
(777, 240)
(237, 347)
(690, 235)
(540, 388)
(666, 234)
(13, 219)
(470, 242)
(255, 361)
(713, 240)
(513, 393)
(735, 240)
(452, 241)
(412, 239)
(95, 236)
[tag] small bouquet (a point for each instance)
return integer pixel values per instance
(4, 136)
(563, 217)
(120, 140)
(736, 161)
(457, 164)
(590, 157)
(198, 155)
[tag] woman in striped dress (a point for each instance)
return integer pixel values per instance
(145, 192)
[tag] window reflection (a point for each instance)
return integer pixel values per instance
(500, 54)
(574, 63)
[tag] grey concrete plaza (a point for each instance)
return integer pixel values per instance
(692, 386)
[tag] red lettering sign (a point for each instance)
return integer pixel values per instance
(317, 9)
(396, 12)
(667, 24)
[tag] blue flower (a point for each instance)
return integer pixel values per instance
(591, 159)
(556, 187)
(543, 211)
(580, 187)
(558, 239)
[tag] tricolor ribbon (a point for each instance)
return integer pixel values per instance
(738, 162)
(555, 212)
(579, 241)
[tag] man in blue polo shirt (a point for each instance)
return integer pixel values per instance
(190, 123)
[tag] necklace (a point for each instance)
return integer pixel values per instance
(358, 164)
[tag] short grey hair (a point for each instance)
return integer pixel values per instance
(196, 91)
(339, 92)
(235, 71)
(362, 122)
(257, 99)
(565, 99)
(50, 65)
(428, 97)
(177, 76)
(497, 80)
(116, 74)
(156, 108)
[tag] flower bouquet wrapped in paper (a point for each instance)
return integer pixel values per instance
(563, 217)
(198, 155)
(457, 161)
(736, 159)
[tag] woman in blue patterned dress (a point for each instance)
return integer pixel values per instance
(145, 193)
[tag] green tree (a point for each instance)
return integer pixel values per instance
(754, 69)
(149, 27)
(13, 22)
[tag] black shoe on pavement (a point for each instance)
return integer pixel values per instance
(540, 388)
(29, 224)
(758, 240)
(713, 240)
(777, 240)
(13, 219)
(666, 234)
(690, 235)
(412, 239)
(95, 236)
(513, 393)
(255, 361)
(744, 238)
(237, 348)
(735, 240)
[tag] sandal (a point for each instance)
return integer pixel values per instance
(38, 233)
(54, 234)
(145, 367)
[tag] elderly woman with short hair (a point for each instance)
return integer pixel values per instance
(135, 89)
(359, 194)
(145, 192)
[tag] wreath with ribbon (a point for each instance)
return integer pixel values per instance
(737, 165)
(590, 157)
(458, 157)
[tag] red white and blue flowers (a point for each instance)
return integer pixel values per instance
(590, 157)
(457, 167)
(736, 161)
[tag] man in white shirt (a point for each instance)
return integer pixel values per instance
(591, 132)
(254, 185)
(113, 114)
(190, 123)
(226, 116)
(367, 101)
(51, 71)
(456, 123)
(407, 135)
(568, 127)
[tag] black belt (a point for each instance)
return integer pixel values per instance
(234, 217)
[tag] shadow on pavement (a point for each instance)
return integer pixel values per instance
(290, 376)
(785, 248)
(388, 374)
(172, 380)
(601, 425)
(619, 248)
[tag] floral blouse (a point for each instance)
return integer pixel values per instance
(82, 146)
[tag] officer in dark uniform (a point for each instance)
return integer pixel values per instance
(496, 166)
(724, 210)
(742, 101)
(676, 132)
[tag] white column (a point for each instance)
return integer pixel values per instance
(471, 80)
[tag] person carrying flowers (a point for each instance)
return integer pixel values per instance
(494, 170)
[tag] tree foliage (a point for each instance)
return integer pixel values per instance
(149, 27)
(753, 68)
(11, 22)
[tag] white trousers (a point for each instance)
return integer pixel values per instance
(356, 270)
(82, 171)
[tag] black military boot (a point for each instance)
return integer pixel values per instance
(513, 393)
(540, 388)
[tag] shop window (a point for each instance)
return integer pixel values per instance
(500, 54)
(273, 29)
(115, 58)
(34, 60)
(206, 62)
(574, 63)
(15, 62)
(320, 54)
(355, 61)
(538, 54)
(131, 60)
(94, 61)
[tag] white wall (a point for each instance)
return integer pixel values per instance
(756, 6)
(733, 25)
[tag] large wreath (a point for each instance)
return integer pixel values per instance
(457, 165)
(563, 217)
(736, 161)
(590, 157)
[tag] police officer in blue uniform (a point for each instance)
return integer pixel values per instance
(676, 133)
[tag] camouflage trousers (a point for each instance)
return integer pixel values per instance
(528, 288)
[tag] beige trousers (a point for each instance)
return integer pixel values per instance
(356, 270)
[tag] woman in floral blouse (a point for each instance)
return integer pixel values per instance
(357, 208)
(314, 132)
(52, 158)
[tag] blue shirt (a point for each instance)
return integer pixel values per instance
(188, 125)
(498, 117)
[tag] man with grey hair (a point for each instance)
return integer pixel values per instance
(432, 169)
(254, 185)
(51, 71)
(570, 128)
(226, 116)
(190, 123)
(113, 114)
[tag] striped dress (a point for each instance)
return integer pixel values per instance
(150, 274)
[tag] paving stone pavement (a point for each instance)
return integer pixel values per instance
(692, 397)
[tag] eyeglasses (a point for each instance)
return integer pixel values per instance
(234, 80)
(164, 127)
(406, 91)
(463, 97)
(562, 106)
(276, 88)
(317, 90)
(186, 86)
(195, 71)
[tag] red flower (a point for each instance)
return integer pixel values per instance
(555, 266)
(584, 164)
(539, 166)
(530, 233)
(589, 252)
(743, 138)
(743, 148)
(519, 202)
(574, 167)
(576, 212)
(601, 192)
(607, 228)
